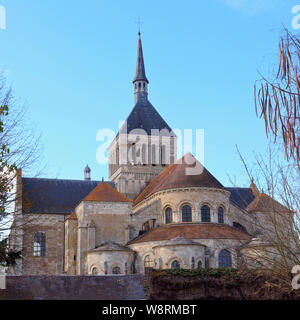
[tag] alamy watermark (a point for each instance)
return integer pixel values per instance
(157, 147)
(296, 18)
(296, 278)
(2, 18)
(2, 279)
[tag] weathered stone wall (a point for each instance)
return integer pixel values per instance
(52, 225)
(129, 287)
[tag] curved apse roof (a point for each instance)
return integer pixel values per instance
(192, 231)
(177, 176)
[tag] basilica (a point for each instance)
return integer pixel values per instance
(155, 211)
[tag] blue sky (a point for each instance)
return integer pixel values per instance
(73, 63)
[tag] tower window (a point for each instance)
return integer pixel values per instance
(153, 155)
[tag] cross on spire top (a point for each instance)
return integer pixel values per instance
(139, 22)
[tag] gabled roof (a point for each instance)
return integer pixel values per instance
(264, 203)
(57, 196)
(175, 176)
(110, 246)
(144, 116)
(192, 231)
(106, 193)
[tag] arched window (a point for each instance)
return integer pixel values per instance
(186, 213)
(94, 271)
(199, 265)
(193, 263)
(239, 226)
(153, 155)
(116, 270)
(133, 155)
(125, 268)
(140, 84)
(205, 214)
(39, 245)
(147, 261)
(106, 267)
(163, 155)
(220, 215)
(169, 215)
(206, 258)
(160, 263)
(225, 259)
(175, 265)
(144, 151)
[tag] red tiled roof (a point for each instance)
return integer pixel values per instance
(175, 177)
(192, 231)
(106, 193)
(264, 203)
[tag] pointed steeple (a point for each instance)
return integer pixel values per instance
(140, 80)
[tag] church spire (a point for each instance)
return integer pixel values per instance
(140, 80)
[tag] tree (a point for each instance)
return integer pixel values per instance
(279, 98)
(19, 148)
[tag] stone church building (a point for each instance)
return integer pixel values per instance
(154, 211)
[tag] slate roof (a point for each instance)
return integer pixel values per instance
(241, 197)
(175, 177)
(57, 196)
(140, 73)
(106, 193)
(144, 116)
(192, 231)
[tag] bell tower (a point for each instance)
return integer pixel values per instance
(145, 145)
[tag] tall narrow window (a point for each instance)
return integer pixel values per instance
(225, 259)
(144, 160)
(147, 261)
(106, 267)
(205, 214)
(163, 155)
(206, 258)
(125, 268)
(193, 263)
(133, 155)
(220, 215)
(160, 263)
(199, 264)
(186, 212)
(153, 154)
(39, 245)
(175, 265)
(169, 215)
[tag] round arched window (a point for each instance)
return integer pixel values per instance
(186, 213)
(147, 261)
(220, 215)
(169, 215)
(94, 271)
(225, 259)
(116, 270)
(205, 214)
(175, 264)
(199, 264)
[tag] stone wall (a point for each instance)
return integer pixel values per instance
(129, 287)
